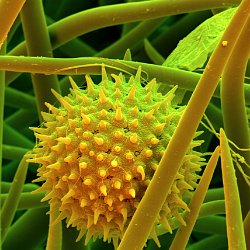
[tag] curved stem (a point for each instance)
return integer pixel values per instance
(92, 65)
(38, 44)
(234, 108)
(11, 203)
(235, 230)
(8, 13)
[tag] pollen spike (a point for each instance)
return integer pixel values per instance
(97, 212)
(150, 114)
(131, 94)
(118, 114)
(51, 108)
(153, 234)
(150, 85)
(135, 123)
(124, 213)
(103, 190)
(48, 117)
(138, 75)
(80, 235)
(73, 84)
(99, 141)
(86, 120)
(70, 193)
(102, 97)
(159, 128)
(62, 100)
(118, 81)
(90, 85)
(64, 140)
(38, 130)
(165, 223)
(132, 192)
(104, 74)
(43, 137)
(135, 110)
(141, 171)
(133, 138)
(55, 166)
(117, 184)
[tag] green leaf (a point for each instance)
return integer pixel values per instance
(193, 51)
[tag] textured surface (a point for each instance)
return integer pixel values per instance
(100, 149)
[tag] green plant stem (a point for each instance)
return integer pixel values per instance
(54, 241)
(15, 138)
(211, 242)
(131, 39)
(234, 108)
(182, 236)
(92, 19)
(28, 231)
(8, 13)
(213, 224)
(92, 65)
(5, 186)
(152, 201)
(18, 99)
(2, 94)
(247, 229)
(28, 200)
(11, 203)
(153, 54)
(214, 194)
(38, 44)
(235, 230)
(13, 152)
(21, 119)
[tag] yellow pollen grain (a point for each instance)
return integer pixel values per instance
(88, 182)
(133, 138)
(103, 190)
(91, 153)
(117, 184)
(132, 192)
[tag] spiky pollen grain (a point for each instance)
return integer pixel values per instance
(100, 149)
